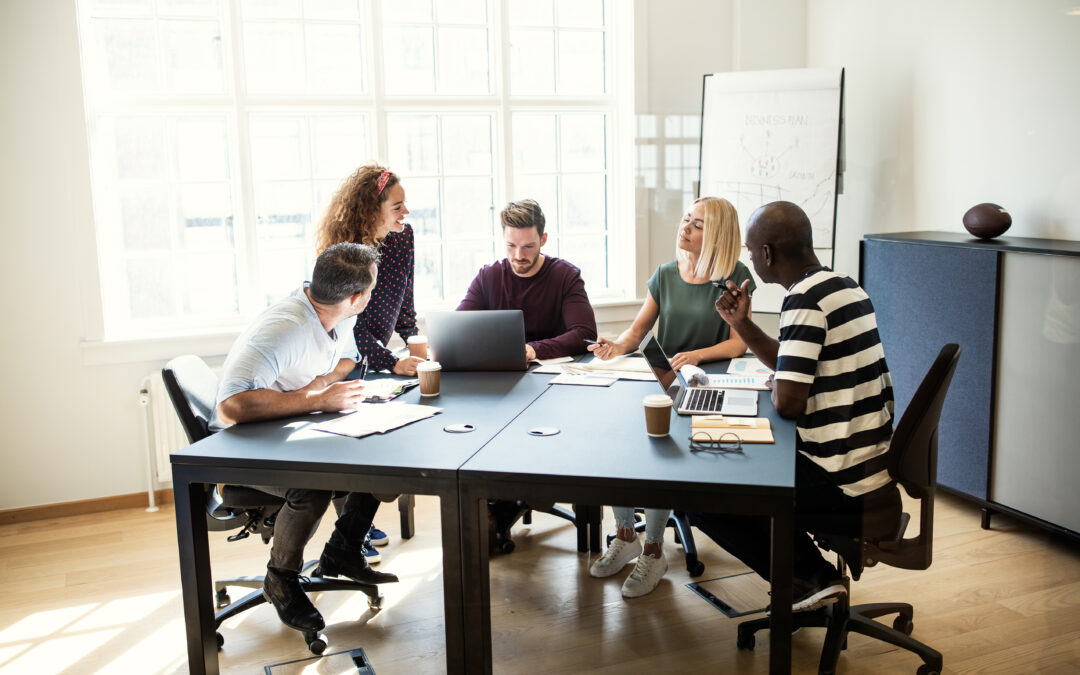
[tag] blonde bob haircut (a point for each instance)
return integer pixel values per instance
(721, 241)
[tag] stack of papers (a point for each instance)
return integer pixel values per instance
(719, 428)
(376, 418)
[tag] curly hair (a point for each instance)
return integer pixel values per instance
(353, 214)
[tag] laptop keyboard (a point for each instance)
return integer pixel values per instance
(704, 400)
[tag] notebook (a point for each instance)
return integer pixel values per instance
(477, 340)
(695, 400)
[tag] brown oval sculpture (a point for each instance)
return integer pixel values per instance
(987, 220)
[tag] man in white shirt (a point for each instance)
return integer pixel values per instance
(293, 359)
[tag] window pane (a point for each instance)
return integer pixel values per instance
(581, 63)
(581, 13)
(428, 287)
(335, 62)
(582, 143)
(584, 199)
(532, 62)
(281, 271)
(468, 207)
(192, 56)
(466, 144)
(206, 216)
(589, 254)
(209, 283)
(283, 211)
(339, 145)
(188, 7)
(543, 189)
(463, 61)
(279, 148)
(150, 287)
(463, 261)
(409, 59)
(274, 56)
(332, 9)
(422, 198)
(127, 50)
(395, 11)
(144, 212)
(461, 11)
(531, 13)
(136, 7)
(534, 143)
(140, 148)
(413, 144)
(278, 9)
(201, 149)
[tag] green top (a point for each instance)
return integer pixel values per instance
(688, 318)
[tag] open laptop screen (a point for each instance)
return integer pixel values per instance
(659, 362)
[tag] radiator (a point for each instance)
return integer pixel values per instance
(164, 434)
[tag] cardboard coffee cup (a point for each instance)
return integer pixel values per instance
(418, 346)
(429, 372)
(657, 415)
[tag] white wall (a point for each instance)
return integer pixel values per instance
(946, 107)
(950, 104)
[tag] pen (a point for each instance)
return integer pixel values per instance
(591, 342)
(363, 368)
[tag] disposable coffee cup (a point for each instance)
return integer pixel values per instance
(657, 415)
(428, 372)
(418, 346)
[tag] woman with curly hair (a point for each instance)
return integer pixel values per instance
(369, 208)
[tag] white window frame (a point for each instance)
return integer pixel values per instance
(237, 107)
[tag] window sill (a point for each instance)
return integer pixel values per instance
(111, 352)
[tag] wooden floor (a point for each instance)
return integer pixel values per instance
(100, 593)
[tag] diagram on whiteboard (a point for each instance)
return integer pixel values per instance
(769, 136)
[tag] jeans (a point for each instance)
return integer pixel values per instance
(299, 517)
(655, 522)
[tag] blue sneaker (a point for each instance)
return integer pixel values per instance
(378, 537)
(370, 553)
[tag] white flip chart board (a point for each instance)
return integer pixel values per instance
(773, 135)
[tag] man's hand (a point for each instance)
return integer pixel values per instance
(345, 395)
(605, 349)
(734, 305)
(530, 353)
(407, 365)
(683, 358)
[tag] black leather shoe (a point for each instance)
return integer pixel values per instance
(282, 590)
(336, 562)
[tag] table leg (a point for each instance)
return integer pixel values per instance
(406, 506)
(453, 585)
(195, 580)
(781, 574)
(476, 588)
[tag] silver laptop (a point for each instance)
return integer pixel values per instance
(477, 340)
(696, 400)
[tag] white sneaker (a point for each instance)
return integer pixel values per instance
(648, 571)
(615, 557)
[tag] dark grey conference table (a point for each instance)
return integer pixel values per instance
(417, 459)
(603, 455)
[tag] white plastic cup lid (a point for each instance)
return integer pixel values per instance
(428, 366)
(657, 400)
(417, 340)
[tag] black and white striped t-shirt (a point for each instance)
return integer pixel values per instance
(829, 339)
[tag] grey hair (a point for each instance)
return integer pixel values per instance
(341, 271)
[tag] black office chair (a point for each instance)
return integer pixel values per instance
(192, 388)
(683, 535)
(912, 461)
(505, 514)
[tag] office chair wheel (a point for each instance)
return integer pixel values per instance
(220, 640)
(927, 669)
(507, 546)
(222, 599)
(374, 603)
(697, 569)
(745, 640)
(316, 642)
(903, 624)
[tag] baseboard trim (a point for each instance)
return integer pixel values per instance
(63, 509)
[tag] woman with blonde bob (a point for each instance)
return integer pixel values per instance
(682, 294)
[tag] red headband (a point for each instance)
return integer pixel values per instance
(384, 178)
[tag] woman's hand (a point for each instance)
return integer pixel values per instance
(683, 358)
(606, 349)
(406, 365)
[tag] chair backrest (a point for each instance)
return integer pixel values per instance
(913, 463)
(192, 388)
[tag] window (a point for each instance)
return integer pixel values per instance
(219, 129)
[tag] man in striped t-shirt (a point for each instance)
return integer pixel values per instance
(831, 377)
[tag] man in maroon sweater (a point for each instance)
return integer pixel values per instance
(548, 290)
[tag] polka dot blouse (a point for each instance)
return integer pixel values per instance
(391, 308)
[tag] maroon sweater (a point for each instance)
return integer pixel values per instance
(558, 316)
